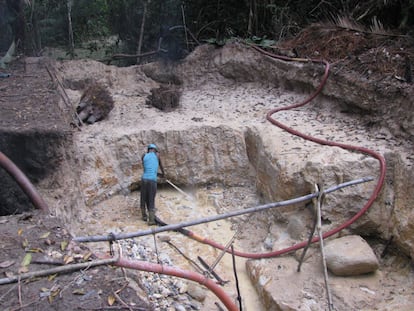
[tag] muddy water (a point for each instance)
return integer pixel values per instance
(121, 214)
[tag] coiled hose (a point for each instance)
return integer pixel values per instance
(270, 118)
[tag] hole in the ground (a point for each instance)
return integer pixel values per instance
(37, 155)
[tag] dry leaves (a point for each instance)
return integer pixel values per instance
(7, 263)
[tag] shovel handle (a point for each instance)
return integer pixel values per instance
(178, 189)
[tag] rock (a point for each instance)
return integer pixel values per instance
(182, 287)
(350, 255)
(296, 228)
(196, 292)
(179, 307)
(268, 243)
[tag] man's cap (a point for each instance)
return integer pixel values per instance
(152, 146)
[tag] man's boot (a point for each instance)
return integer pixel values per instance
(151, 220)
(144, 214)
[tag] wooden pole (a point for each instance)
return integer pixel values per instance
(62, 269)
(185, 27)
(174, 227)
(305, 249)
(321, 196)
(71, 41)
(141, 32)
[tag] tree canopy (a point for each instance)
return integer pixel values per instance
(178, 25)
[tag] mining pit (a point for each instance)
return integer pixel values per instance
(219, 149)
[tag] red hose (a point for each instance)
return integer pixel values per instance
(316, 140)
(23, 182)
(189, 275)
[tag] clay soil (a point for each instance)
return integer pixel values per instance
(27, 103)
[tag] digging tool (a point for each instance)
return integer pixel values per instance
(210, 270)
(167, 239)
(178, 189)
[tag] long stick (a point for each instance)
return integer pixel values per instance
(179, 190)
(185, 26)
(321, 196)
(62, 269)
(193, 263)
(230, 243)
(211, 271)
(236, 278)
(173, 227)
(305, 249)
(141, 33)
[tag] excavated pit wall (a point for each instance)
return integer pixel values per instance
(190, 156)
(100, 163)
(47, 160)
(389, 127)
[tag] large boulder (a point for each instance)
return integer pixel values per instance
(350, 255)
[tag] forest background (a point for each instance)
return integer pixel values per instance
(133, 31)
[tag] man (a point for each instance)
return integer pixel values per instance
(151, 162)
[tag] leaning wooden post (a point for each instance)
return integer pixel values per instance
(321, 196)
(305, 249)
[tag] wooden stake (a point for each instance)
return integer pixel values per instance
(321, 196)
(315, 220)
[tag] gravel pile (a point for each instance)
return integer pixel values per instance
(164, 292)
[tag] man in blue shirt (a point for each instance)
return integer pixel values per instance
(151, 161)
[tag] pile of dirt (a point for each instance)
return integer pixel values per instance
(378, 56)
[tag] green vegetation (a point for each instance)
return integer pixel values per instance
(138, 25)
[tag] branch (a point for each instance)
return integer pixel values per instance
(63, 269)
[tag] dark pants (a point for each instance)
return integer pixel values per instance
(148, 191)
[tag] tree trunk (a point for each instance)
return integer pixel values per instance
(141, 32)
(71, 42)
(253, 20)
